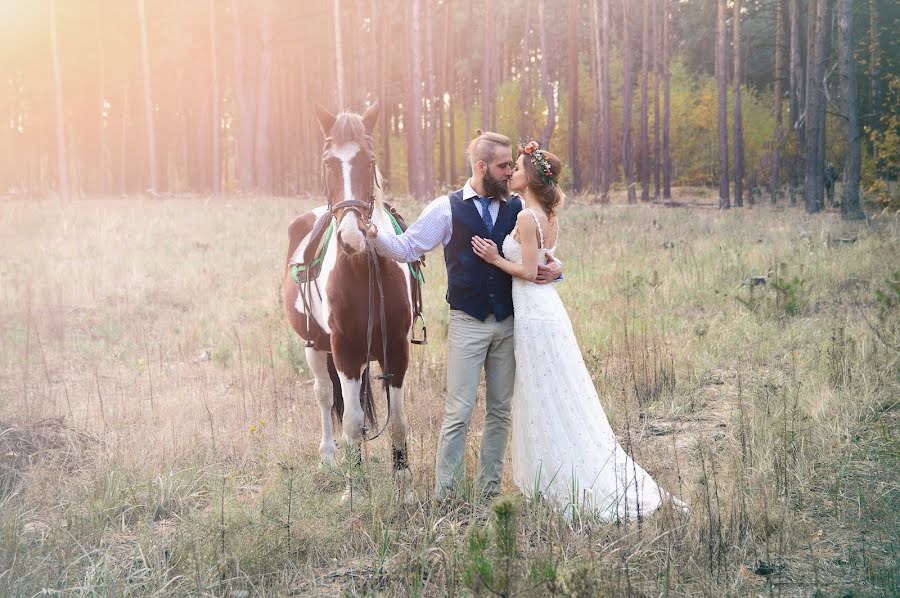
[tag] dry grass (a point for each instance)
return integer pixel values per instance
(158, 433)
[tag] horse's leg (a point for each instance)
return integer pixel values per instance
(399, 450)
(318, 362)
(398, 432)
(398, 362)
(353, 424)
(354, 417)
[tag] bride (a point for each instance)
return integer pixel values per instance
(563, 447)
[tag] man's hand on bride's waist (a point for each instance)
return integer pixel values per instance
(549, 272)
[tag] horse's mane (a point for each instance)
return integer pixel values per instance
(348, 126)
(379, 190)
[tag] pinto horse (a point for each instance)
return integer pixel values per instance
(337, 324)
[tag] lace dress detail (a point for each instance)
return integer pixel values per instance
(563, 447)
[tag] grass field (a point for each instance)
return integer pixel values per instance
(158, 430)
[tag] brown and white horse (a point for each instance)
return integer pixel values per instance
(334, 316)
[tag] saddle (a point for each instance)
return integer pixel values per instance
(314, 254)
(417, 279)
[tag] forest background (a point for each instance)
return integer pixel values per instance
(107, 97)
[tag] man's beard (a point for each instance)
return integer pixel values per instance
(496, 188)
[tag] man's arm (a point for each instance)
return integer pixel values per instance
(432, 228)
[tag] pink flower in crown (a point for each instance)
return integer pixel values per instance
(530, 147)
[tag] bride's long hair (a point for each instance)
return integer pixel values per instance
(548, 194)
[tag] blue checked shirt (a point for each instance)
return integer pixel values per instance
(434, 227)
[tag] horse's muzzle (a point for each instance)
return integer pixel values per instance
(346, 247)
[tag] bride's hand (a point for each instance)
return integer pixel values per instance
(485, 249)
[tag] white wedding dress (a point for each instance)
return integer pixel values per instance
(563, 447)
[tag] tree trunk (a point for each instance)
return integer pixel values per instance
(384, 20)
(487, 96)
(547, 133)
(738, 113)
(442, 89)
(628, 89)
(216, 157)
(813, 185)
(262, 156)
(123, 142)
(795, 80)
(774, 181)
(829, 27)
(452, 95)
(573, 95)
(429, 104)
(601, 93)
(874, 66)
(524, 81)
(103, 159)
(306, 174)
(667, 76)
(657, 67)
(414, 124)
(355, 64)
(808, 85)
(645, 70)
(496, 59)
(597, 91)
(850, 205)
(721, 72)
(148, 100)
(339, 56)
(246, 111)
(606, 174)
(61, 153)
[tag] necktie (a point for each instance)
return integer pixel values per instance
(486, 213)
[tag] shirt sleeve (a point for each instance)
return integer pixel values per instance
(432, 228)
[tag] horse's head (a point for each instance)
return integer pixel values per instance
(348, 165)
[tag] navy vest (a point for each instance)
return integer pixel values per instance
(473, 285)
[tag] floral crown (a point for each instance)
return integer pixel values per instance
(539, 159)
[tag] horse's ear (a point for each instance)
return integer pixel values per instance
(371, 117)
(326, 119)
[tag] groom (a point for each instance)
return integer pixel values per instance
(481, 306)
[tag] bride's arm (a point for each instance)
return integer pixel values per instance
(528, 269)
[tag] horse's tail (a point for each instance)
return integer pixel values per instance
(337, 406)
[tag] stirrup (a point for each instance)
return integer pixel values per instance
(424, 339)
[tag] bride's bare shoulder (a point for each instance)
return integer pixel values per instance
(525, 220)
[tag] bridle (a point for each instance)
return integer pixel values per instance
(363, 209)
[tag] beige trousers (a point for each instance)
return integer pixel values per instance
(475, 345)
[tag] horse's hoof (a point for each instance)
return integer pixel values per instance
(327, 455)
(403, 477)
(403, 481)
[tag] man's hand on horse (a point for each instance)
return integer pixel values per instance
(368, 228)
(548, 272)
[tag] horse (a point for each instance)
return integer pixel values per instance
(338, 326)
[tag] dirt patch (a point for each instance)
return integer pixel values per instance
(27, 445)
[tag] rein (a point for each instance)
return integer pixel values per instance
(385, 377)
